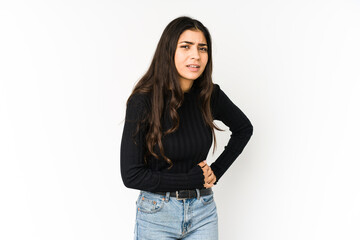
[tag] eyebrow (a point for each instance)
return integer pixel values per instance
(200, 44)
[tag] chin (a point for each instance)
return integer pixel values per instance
(193, 78)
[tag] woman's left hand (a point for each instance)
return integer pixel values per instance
(210, 177)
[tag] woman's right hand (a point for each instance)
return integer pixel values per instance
(209, 175)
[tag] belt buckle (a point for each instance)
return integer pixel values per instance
(177, 196)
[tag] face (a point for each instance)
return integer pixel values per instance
(191, 50)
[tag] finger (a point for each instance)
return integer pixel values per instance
(213, 181)
(209, 177)
(207, 180)
(212, 178)
(210, 172)
(203, 163)
(207, 185)
(204, 168)
(205, 171)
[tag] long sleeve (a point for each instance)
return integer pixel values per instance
(134, 172)
(240, 126)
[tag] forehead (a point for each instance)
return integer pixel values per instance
(192, 36)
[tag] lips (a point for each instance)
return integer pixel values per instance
(193, 65)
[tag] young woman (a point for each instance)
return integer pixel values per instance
(167, 135)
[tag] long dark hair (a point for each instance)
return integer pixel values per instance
(161, 82)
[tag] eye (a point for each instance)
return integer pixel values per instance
(184, 46)
(203, 49)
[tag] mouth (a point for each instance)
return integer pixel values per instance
(193, 67)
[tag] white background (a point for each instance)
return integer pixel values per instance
(67, 68)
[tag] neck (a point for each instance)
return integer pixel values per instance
(186, 85)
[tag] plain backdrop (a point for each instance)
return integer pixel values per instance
(68, 67)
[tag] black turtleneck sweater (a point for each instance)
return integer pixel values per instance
(186, 147)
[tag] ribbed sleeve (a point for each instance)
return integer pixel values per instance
(134, 172)
(240, 126)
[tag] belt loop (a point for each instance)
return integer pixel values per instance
(198, 194)
(167, 196)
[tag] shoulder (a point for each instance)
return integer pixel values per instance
(139, 100)
(216, 90)
(214, 99)
(215, 95)
(138, 105)
(220, 102)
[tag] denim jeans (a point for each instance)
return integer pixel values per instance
(161, 217)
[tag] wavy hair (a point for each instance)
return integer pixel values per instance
(161, 83)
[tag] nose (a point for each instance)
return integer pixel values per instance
(195, 54)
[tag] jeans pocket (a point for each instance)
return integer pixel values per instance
(149, 203)
(207, 199)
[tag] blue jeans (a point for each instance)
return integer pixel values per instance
(161, 217)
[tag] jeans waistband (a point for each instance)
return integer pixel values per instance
(187, 194)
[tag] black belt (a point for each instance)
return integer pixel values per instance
(185, 194)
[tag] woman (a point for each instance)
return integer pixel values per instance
(168, 132)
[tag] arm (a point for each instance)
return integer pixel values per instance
(240, 126)
(135, 174)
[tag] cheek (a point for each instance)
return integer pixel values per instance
(177, 59)
(206, 57)
(179, 56)
(178, 64)
(205, 60)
